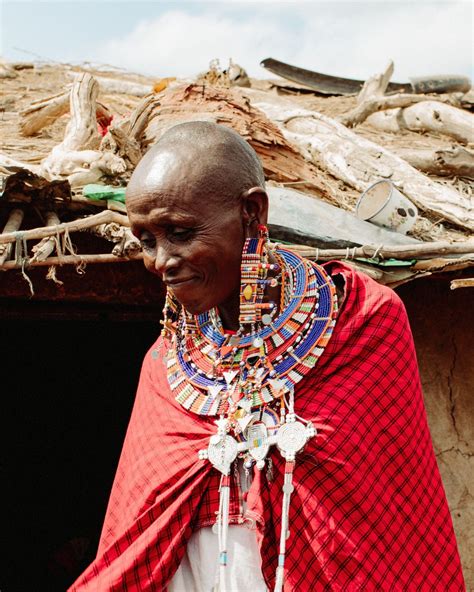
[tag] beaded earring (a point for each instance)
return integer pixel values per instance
(253, 280)
(171, 312)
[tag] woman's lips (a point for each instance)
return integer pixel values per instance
(180, 283)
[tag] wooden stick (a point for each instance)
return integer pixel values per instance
(430, 116)
(464, 283)
(13, 224)
(45, 247)
(418, 251)
(369, 106)
(44, 112)
(104, 217)
(73, 260)
(456, 161)
(376, 85)
(441, 263)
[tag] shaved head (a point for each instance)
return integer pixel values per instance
(193, 199)
(213, 159)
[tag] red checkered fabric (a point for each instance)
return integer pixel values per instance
(368, 512)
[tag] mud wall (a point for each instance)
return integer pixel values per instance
(442, 322)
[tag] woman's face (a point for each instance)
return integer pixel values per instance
(190, 241)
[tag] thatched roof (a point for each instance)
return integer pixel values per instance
(46, 164)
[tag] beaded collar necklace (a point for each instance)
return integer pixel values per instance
(247, 379)
(214, 373)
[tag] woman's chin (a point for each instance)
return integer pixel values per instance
(192, 307)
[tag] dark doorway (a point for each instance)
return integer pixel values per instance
(68, 390)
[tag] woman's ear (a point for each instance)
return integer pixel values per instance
(254, 210)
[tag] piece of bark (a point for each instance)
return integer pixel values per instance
(46, 246)
(360, 162)
(456, 161)
(430, 116)
(282, 162)
(13, 224)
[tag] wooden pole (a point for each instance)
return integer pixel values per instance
(416, 251)
(73, 260)
(13, 224)
(45, 247)
(464, 283)
(104, 217)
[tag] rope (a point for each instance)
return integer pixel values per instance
(68, 246)
(21, 258)
(377, 251)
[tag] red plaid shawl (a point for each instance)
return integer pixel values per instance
(368, 512)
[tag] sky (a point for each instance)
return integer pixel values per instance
(353, 39)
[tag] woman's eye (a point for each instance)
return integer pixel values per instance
(180, 233)
(147, 241)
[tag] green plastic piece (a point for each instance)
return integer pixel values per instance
(97, 192)
(388, 262)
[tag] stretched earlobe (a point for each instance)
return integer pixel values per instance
(254, 210)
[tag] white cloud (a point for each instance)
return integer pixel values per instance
(348, 39)
(182, 44)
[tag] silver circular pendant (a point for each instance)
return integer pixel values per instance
(257, 342)
(291, 437)
(266, 319)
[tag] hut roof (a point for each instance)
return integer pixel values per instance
(71, 138)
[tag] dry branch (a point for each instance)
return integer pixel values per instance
(7, 163)
(362, 111)
(126, 244)
(456, 161)
(376, 85)
(372, 98)
(105, 217)
(13, 224)
(45, 247)
(430, 116)
(44, 112)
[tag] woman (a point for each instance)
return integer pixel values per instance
(278, 439)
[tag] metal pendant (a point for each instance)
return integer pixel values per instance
(292, 436)
(257, 441)
(221, 452)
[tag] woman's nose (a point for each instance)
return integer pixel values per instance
(164, 261)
